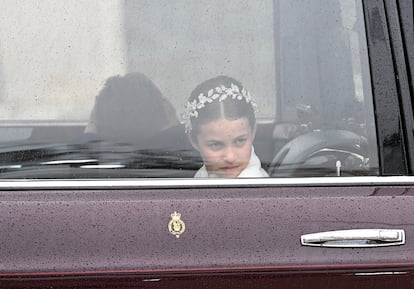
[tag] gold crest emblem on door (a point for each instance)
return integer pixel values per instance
(176, 226)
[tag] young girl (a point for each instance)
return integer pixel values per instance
(220, 120)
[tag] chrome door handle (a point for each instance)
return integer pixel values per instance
(355, 238)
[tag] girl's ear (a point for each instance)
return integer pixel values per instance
(254, 131)
(193, 141)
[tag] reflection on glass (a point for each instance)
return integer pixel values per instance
(305, 63)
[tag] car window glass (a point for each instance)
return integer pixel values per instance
(97, 89)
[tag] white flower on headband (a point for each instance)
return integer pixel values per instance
(219, 93)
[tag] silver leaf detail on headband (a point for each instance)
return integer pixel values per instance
(219, 93)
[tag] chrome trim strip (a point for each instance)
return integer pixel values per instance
(175, 183)
(381, 273)
(40, 123)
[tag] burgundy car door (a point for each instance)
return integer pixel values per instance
(336, 211)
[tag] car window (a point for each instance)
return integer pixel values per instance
(102, 89)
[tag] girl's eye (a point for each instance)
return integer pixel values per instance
(215, 145)
(240, 141)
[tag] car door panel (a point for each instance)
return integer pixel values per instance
(118, 233)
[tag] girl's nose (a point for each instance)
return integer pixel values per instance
(229, 155)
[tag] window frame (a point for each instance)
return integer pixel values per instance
(390, 89)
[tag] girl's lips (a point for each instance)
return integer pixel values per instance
(229, 168)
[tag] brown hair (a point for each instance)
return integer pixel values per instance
(228, 108)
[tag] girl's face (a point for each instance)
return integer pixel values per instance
(225, 146)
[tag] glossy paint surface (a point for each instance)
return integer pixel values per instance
(240, 234)
(316, 278)
(70, 233)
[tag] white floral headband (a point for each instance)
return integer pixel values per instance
(219, 93)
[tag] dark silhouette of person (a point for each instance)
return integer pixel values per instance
(130, 109)
(133, 122)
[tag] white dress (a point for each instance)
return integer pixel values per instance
(253, 170)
